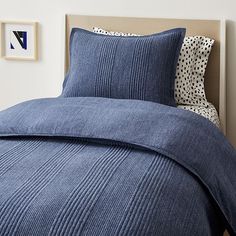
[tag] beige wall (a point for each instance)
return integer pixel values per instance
(21, 81)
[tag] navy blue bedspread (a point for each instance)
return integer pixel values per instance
(99, 166)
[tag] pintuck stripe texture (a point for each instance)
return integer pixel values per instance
(16, 154)
(141, 67)
(142, 205)
(105, 67)
(73, 215)
(13, 210)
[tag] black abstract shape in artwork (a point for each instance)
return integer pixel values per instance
(21, 37)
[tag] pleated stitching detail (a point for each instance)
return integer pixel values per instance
(105, 69)
(79, 204)
(24, 195)
(136, 81)
(156, 175)
(16, 154)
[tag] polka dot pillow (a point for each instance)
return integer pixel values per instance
(189, 83)
(193, 58)
(98, 30)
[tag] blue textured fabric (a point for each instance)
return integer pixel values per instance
(123, 67)
(99, 166)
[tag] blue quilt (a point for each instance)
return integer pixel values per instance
(99, 166)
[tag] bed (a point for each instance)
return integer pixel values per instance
(98, 161)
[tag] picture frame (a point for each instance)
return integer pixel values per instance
(19, 40)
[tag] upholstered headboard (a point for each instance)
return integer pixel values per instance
(215, 82)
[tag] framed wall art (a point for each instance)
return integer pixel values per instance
(19, 40)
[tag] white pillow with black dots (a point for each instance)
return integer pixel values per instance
(98, 30)
(191, 67)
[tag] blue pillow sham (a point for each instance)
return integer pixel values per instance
(141, 67)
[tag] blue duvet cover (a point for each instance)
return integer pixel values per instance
(99, 166)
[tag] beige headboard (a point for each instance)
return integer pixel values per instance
(215, 75)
